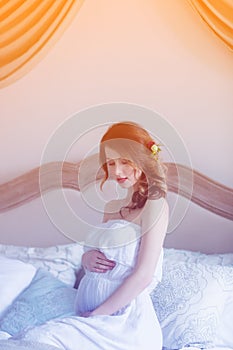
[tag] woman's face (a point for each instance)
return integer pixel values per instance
(121, 169)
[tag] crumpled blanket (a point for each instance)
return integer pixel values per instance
(10, 344)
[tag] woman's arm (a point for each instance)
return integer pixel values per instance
(154, 227)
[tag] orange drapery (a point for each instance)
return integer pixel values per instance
(28, 28)
(218, 14)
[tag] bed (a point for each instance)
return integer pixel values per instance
(193, 301)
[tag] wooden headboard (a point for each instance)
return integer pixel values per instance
(206, 192)
(189, 183)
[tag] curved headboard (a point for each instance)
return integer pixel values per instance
(29, 224)
(182, 180)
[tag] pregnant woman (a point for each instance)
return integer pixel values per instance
(113, 307)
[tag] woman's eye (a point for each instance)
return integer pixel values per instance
(111, 163)
(124, 161)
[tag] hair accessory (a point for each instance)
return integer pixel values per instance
(155, 149)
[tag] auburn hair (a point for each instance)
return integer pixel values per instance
(133, 143)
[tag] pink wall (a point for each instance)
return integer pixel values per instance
(151, 53)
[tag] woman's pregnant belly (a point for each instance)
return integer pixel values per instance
(95, 288)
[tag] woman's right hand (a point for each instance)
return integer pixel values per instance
(95, 261)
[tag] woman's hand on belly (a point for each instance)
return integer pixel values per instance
(96, 261)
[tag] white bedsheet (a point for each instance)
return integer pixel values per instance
(4, 335)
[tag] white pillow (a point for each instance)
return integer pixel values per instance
(62, 261)
(191, 298)
(225, 332)
(14, 277)
(197, 257)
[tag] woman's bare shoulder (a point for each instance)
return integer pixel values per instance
(156, 204)
(154, 209)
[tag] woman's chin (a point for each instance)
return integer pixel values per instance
(126, 184)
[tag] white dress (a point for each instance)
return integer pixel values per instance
(133, 327)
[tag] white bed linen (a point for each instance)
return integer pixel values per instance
(14, 277)
(4, 335)
(174, 256)
(195, 348)
(135, 326)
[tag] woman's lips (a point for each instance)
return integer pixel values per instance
(121, 179)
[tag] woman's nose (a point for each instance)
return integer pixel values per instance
(118, 169)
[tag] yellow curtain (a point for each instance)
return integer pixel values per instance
(218, 14)
(28, 28)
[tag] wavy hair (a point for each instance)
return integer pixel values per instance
(133, 142)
